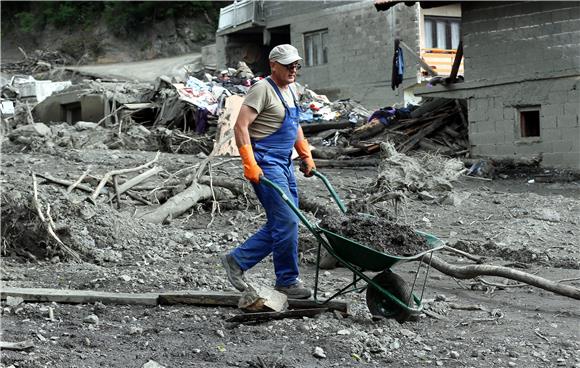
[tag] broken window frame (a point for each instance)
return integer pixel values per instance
(315, 49)
(434, 26)
(524, 115)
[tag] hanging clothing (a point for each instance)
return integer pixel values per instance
(279, 235)
(201, 120)
(398, 66)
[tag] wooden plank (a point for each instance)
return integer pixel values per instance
(419, 59)
(230, 299)
(203, 298)
(456, 63)
(78, 296)
(19, 346)
(226, 123)
(269, 316)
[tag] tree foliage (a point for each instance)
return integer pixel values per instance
(121, 16)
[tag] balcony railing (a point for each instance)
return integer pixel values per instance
(240, 12)
(440, 60)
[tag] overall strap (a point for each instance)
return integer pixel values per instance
(280, 94)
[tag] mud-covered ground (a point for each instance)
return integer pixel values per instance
(531, 226)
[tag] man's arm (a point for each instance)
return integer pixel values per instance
(247, 116)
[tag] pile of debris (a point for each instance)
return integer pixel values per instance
(38, 61)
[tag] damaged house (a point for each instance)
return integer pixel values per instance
(348, 52)
(522, 79)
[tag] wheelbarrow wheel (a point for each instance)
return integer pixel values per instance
(380, 305)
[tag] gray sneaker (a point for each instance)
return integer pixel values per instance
(234, 272)
(295, 291)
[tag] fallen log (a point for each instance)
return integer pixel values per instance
(347, 163)
(473, 271)
(312, 128)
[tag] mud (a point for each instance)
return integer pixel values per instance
(377, 233)
(510, 222)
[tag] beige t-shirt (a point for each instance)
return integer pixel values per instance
(262, 98)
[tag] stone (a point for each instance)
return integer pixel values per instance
(125, 278)
(454, 355)
(134, 330)
(31, 130)
(547, 214)
(85, 125)
(319, 353)
(343, 332)
(152, 364)
(91, 319)
(13, 301)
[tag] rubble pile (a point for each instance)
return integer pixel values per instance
(39, 61)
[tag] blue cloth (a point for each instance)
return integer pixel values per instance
(279, 235)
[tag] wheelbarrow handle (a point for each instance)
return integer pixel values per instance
(290, 203)
(330, 189)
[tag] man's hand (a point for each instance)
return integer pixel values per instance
(252, 171)
(303, 149)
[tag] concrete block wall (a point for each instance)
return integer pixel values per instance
(524, 54)
(360, 47)
(360, 50)
(494, 129)
(510, 39)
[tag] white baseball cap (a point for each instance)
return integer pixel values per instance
(284, 54)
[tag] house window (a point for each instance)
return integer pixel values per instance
(442, 32)
(315, 48)
(529, 121)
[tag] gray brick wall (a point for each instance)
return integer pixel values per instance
(494, 121)
(360, 47)
(524, 54)
(505, 40)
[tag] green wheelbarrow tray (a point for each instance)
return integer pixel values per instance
(359, 258)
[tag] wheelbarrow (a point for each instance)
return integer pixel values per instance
(387, 294)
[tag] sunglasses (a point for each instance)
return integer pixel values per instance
(291, 66)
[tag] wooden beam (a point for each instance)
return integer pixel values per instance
(78, 296)
(419, 59)
(311, 128)
(269, 316)
(19, 346)
(203, 298)
(456, 63)
(231, 300)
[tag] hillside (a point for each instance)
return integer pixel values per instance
(107, 32)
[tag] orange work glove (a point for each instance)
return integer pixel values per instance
(303, 149)
(252, 171)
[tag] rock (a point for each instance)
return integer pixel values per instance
(395, 344)
(547, 214)
(426, 196)
(454, 355)
(125, 278)
(31, 130)
(134, 330)
(152, 364)
(220, 333)
(407, 333)
(13, 301)
(454, 199)
(319, 353)
(91, 319)
(85, 125)
(343, 332)
(440, 298)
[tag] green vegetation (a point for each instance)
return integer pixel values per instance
(123, 16)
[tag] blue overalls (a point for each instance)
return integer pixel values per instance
(279, 235)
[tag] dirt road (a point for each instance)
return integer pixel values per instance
(143, 71)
